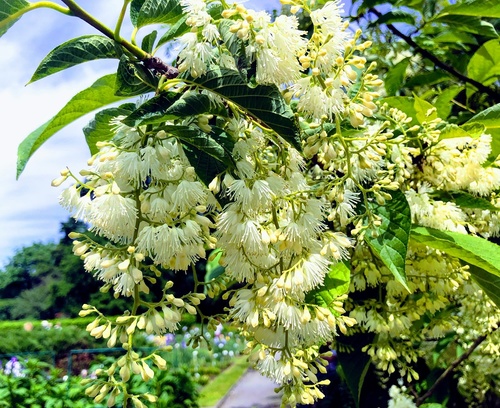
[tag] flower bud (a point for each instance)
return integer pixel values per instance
(58, 181)
(125, 373)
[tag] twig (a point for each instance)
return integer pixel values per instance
(431, 57)
(452, 366)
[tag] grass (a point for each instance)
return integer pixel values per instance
(211, 393)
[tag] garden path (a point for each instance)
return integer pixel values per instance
(251, 391)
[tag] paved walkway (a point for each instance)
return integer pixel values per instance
(251, 391)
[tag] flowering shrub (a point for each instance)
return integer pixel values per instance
(34, 383)
(338, 215)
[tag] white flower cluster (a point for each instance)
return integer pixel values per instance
(273, 237)
(141, 194)
(441, 290)
(399, 398)
(480, 373)
(436, 282)
(452, 165)
(288, 217)
(352, 166)
(285, 56)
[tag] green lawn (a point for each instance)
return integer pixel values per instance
(211, 393)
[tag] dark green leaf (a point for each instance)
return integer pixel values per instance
(469, 24)
(427, 78)
(176, 30)
(484, 66)
(153, 110)
(74, 52)
(470, 249)
(133, 79)
(465, 200)
(100, 129)
(145, 12)
(491, 119)
(354, 367)
(488, 282)
(217, 144)
(264, 103)
(396, 16)
(395, 77)
(148, 42)
(479, 8)
(336, 284)
(206, 166)
(10, 12)
(391, 242)
(194, 103)
(215, 10)
(100, 94)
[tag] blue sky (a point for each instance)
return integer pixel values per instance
(29, 210)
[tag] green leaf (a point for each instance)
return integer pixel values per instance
(213, 268)
(490, 118)
(391, 242)
(479, 8)
(489, 283)
(207, 167)
(396, 16)
(100, 94)
(133, 79)
(100, 128)
(336, 284)
(148, 42)
(74, 52)
(354, 367)
(145, 12)
(176, 30)
(454, 37)
(443, 102)
(465, 200)
(8, 10)
(424, 110)
(470, 249)
(473, 130)
(264, 103)
(405, 104)
(452, 131)
(484, 66)
(395, 77)
(194, 103)
(153, 110)
(427, 78)
(469, 24)
(217, 144)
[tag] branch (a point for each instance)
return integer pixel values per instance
(79, 12)
(452, 366)
(431, 57)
